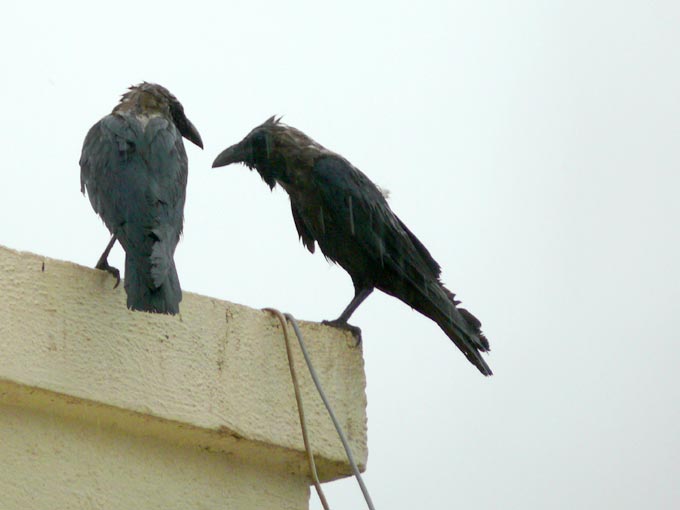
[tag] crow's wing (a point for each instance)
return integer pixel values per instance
(109, 156)
(357, 208)
(167, 159)
(303, 231)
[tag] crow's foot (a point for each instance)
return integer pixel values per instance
(103, 264)
(340, 324)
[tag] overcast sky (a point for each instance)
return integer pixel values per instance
(531, 146)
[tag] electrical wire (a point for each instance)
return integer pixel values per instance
(301, 412)
(338, 428)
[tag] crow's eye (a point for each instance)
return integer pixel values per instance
(261, 147)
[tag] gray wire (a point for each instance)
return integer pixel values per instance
(301, 412)
(345, 443)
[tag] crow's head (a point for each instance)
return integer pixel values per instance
(258, 150)
(275, 150)
(150, 97)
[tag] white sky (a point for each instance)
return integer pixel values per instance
(532, 146)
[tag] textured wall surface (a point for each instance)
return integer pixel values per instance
(53, 463)
(98, 402)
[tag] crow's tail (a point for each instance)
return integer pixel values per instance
(438, 303)
(151, 282)
(463, 328)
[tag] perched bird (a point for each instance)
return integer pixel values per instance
(339, 208)
(134, 168)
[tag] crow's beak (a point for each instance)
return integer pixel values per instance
(233, 154)
(190, 132)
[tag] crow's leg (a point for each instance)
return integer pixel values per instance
(359, 296)
(103, 263)
(341, 322)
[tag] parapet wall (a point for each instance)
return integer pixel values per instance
(101, 404)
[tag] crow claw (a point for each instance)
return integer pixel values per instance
(340, 324)
(104, 266)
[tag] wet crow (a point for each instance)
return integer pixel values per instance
(337, 207)
(134, 168)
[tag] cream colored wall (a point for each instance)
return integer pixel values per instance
(101, 404)
(53, 463)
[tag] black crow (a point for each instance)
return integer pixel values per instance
(134, 168)
(338, 207)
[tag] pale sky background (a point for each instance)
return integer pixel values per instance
(531, 146)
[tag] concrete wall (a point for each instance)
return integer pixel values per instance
(101, 407)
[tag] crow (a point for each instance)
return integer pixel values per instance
(337, 207)
(134, 168)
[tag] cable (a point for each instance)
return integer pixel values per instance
(301, 412)
(345, 443)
